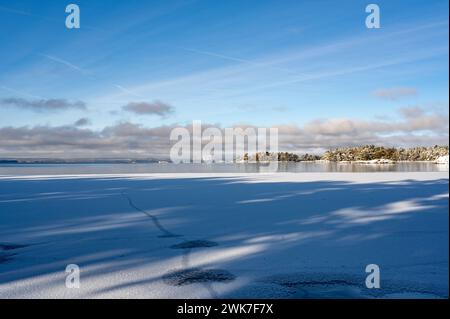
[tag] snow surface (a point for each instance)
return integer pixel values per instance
(280, 235)
(442, 160)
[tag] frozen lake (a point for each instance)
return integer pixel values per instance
(218, 235)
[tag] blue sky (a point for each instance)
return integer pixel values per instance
(257, 62)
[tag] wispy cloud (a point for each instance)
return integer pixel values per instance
(268, 65)
(66, 63)
(248, 76)
(394, 94)
(21, 93)
(281, 109)
(43, 104)
(87, 73)
(127, 91)
(412, 111)
(15, 11)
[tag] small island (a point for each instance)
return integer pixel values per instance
(367, 154)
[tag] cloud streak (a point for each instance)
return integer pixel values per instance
(43, 104)
(300, 66)
(66, 63)
(86, 73)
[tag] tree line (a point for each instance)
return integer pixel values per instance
(359, 153)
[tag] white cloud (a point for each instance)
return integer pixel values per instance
(128, 140)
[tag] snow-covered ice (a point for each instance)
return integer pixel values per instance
(286, 235)
(442, 160)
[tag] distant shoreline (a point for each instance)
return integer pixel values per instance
(367, 154)
(58, 161)
(133, 162)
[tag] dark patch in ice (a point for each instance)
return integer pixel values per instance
(338, 285)
(169, 236)
(196, 275)
(194, 244)
(294, 279)
(5, 257)
(8, 246)
(5, 248)
(316, 283)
